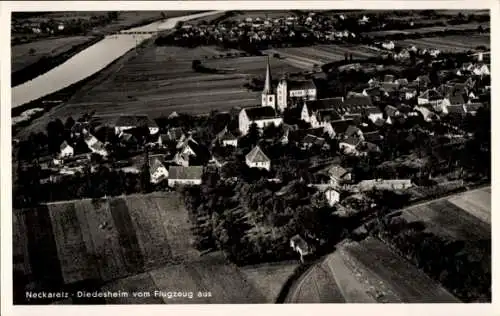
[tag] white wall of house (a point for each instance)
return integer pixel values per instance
(66, 152)
(159, 174)
(332, 196)
(173, 182)
(231, 142)
(244, 122)
(375, 116)
(261, 165)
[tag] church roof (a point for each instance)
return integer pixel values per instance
(257, 155)
(185, 173)
(260, 112)
(268, 88)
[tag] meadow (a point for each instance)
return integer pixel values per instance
(452, 43)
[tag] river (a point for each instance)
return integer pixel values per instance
(91, 60)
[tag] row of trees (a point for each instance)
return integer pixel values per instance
(463, 267)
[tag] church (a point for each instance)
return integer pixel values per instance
(288, 92)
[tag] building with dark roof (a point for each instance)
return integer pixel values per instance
(125, 122)
(226, 138)
(295, 90)
(262, 116)
(178, 175)
(311, 107)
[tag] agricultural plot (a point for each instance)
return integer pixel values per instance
(25, 55)
(270, 278)
(317, 286)
(161, 80)
(460, 217)
(453, 43)
(108, 240)
(429, 29)
(385, 269)
(309, 57)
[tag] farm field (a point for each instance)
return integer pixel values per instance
(461, 217)
(160, 80)
(429, 29)
(112, 239)
(453, 43)
(307, 57)
(274, 14)
(25, 55)
(393, 275)
(366, 272)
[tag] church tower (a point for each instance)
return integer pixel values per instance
(268, 96)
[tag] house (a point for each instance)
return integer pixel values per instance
(391, 111)
(407, 93)
(226, 138)
(313, 106)
(257, 159)
(126, 122)
(430, 96)
(456, 110)
(175, 134)
(312, 140)
(375, 93)
(262, 116)
(338, 175)
(331, 195)
(190, 149)
(388, 45)
(373, 113)
(178, 175)
(338, 128)
(128, 139)
(402, 82)
(481, 70)
(422, 81)
(286, 132)
(95, 145)
(398, 184)
(322, 117)
(455, 100)
(353, 131)
(158, 172)
(355, 104)
(373, 137)
(471, 108)
(163, 140)
(427, 115)
(388, 78)
(348, 145)
(290, 91)
(65, 150)
(389, 87)
(299, 245)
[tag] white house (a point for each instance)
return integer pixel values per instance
(95, 145)
(66, 150)
(257, 159)
(388, 45)
(262, 116)
(348, 145)
(158, 171)
(299, 245)
(331, 195)
(226, 138)
(289, 91)
(373, 113)
(481, 70)
(178, 175)
(430, 97)
(125, 122)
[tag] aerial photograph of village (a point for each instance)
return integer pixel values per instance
(241, 157)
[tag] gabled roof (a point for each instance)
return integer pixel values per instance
(352, 130)
(457, 99)
(225, 134)
(185, 173)
(373, 137)
(337, 172)
(388, 78)
(324, 104)
(328, 115)
(300, 85)
(456, 109)
(314, 140)
(372, 110)
(473, 107)
(423, 79)
(257, 155)
(375, 92)
(154, 164)
(389, 86)
(340, 126)
(260, 112)
(354, 141)
(402, 81)
(358, 101)
(391, 110)
(64, 145)
(431, 94)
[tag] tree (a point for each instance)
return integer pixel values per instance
(145, 175)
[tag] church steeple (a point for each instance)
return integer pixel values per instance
(268, 84)
(268, 96)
